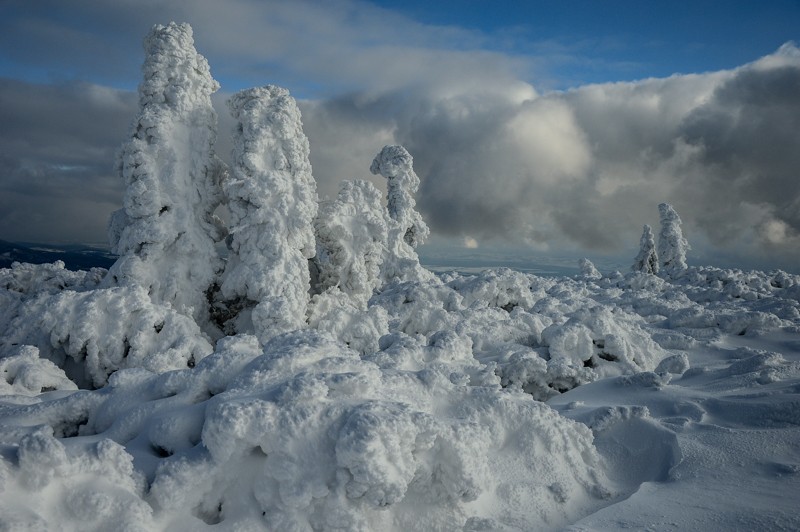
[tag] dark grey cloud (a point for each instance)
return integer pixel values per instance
(57, 152)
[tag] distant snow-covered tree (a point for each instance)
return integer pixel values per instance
(672, 245)
(407, 228)
(588, 269)
(647, 259)
(166, 232)
(352, 233)
(272, 200)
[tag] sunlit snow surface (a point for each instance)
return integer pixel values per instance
(499, 401)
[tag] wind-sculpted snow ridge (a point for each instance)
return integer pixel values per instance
(273, 201)
(166, 232)
(407, 229)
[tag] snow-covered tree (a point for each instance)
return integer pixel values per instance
(166, 232)
(352, 233)
(396, 165)
(672, 245)
(272, 200)
(588, 270)
(647, 259)
(407, 228)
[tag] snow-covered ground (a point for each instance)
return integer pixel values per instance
(685, 396)
(320, 378)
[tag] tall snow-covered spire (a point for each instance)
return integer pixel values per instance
(647, 259)
(166, 232)
(273, 201)
(672, 245)
(407, 229)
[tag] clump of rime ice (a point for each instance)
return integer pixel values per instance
(166, 232)
(407, 229)
(672, 245)
(272, 201)
(647, 259)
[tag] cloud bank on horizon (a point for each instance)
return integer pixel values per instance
(499, 159)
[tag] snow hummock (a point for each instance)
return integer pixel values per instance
(380, 396)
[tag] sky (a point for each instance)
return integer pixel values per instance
(550, 128)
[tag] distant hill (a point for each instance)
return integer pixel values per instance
(75, 256)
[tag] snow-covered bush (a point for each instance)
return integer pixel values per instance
(92, 334)
(273, 201)
(408, 229)
(672, 245)
(352, 234)
(29, 280)
(166, 233)
(647, 259)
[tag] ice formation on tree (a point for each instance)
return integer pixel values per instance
(352, 234)
(672, 245)
(407, 229)
(647, 259)
(166, 232)
(272, 201)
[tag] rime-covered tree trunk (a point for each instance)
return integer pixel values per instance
(273, 201)
(672, 245)
(647, 259)
(407, 229)
(166, 232)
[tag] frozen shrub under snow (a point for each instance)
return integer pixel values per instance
(166, 232)
(272, 200)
